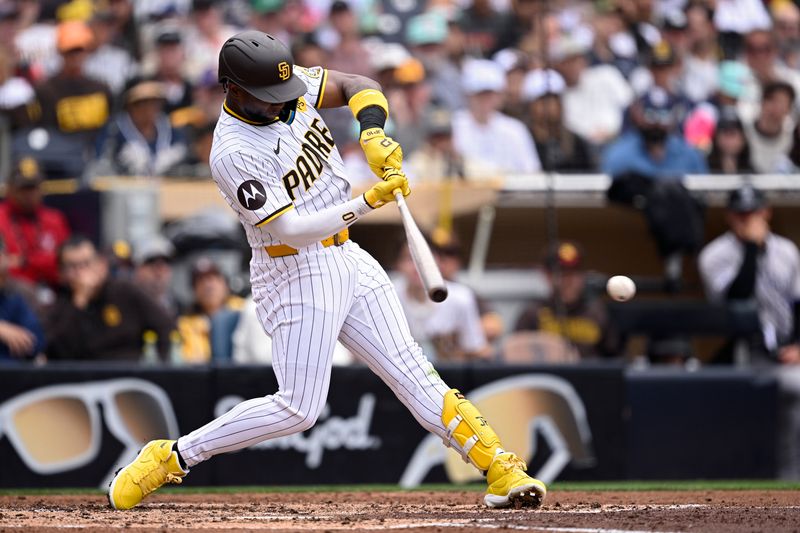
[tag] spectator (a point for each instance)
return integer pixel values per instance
(730, 152)
(272, 17)
(447, 252)
(750, 262)
(786, 16)
(207, 33)
(153, 272)
(97, 318)
(70, 102)
(652, 148)
(572, 312)
(482, 25)
(348, 53)
(109, 63)
(501, 143)
(31, 231)
(142, 141)
(771, 135)
(515, 64)
(447, 331)
(559, 149)
(426, 36)
(701, 64)
(170, 57)
(437, 158)
(206, 329)
(595, 98)
(21, 335)
(761, 55)
(15, 93)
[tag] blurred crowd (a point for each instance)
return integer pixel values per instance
(643, 90)
(477, 88)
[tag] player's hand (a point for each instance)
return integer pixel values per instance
(383, 192)
(381, 151)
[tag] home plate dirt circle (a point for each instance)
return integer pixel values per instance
(567, 512)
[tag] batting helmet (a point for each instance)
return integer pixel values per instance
(263, 66)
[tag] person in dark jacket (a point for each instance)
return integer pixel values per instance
(98, 318)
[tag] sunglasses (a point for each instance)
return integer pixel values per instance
(58, 428)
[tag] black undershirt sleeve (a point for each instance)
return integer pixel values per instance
(371, 117)
(743, 286)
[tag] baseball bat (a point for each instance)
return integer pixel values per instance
(421, 253)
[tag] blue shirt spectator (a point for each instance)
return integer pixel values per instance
(21, 335)
(629, 155)
(651, 147)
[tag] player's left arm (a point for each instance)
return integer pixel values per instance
(370, 107)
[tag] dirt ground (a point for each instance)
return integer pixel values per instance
(569, 512)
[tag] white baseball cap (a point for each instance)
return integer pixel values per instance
(479, 75)
(539, 82)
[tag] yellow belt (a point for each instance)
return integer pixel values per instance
(282, 250)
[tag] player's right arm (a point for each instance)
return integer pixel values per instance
(301, 230)
(261, 200)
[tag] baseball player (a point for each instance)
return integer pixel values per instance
(275, 163)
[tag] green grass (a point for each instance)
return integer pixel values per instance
(606, 486)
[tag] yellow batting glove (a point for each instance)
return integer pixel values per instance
(383, 192)
(382, 152)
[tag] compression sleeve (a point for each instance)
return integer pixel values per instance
(744, 284)
(301, 230)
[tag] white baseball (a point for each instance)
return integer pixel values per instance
(621, 288)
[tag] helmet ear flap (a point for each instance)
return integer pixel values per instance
(288, 112)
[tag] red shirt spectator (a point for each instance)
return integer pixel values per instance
(32, 232)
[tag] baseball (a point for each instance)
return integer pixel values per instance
(621, 288)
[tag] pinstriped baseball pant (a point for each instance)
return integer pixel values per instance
(305, 302)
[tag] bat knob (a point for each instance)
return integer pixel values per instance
(438, 295)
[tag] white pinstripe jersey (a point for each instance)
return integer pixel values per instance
(264, 170)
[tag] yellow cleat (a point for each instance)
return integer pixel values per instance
(155, 465)
(510, 485)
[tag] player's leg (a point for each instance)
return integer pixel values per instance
(376, 331)
(303, 314)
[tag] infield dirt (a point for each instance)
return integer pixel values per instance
(570, 512)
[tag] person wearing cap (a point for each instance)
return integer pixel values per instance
(32, 232)
(21, 334)
(595, 97)
(207, 327)
(426, 35)
(70, 101)
(170, 55)
(559, 149)
(448, 331)
(750, 262)
(96, 318)
(437, 158)
(652, 148)
(771, 133)
(15, 94)
(152, 260)
(572, 311)
(730, 151)
(500, 143)
(142, 141)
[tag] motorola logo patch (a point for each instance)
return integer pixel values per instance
(251, 195)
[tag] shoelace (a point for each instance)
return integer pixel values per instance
(513, 463)
(148, 480)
